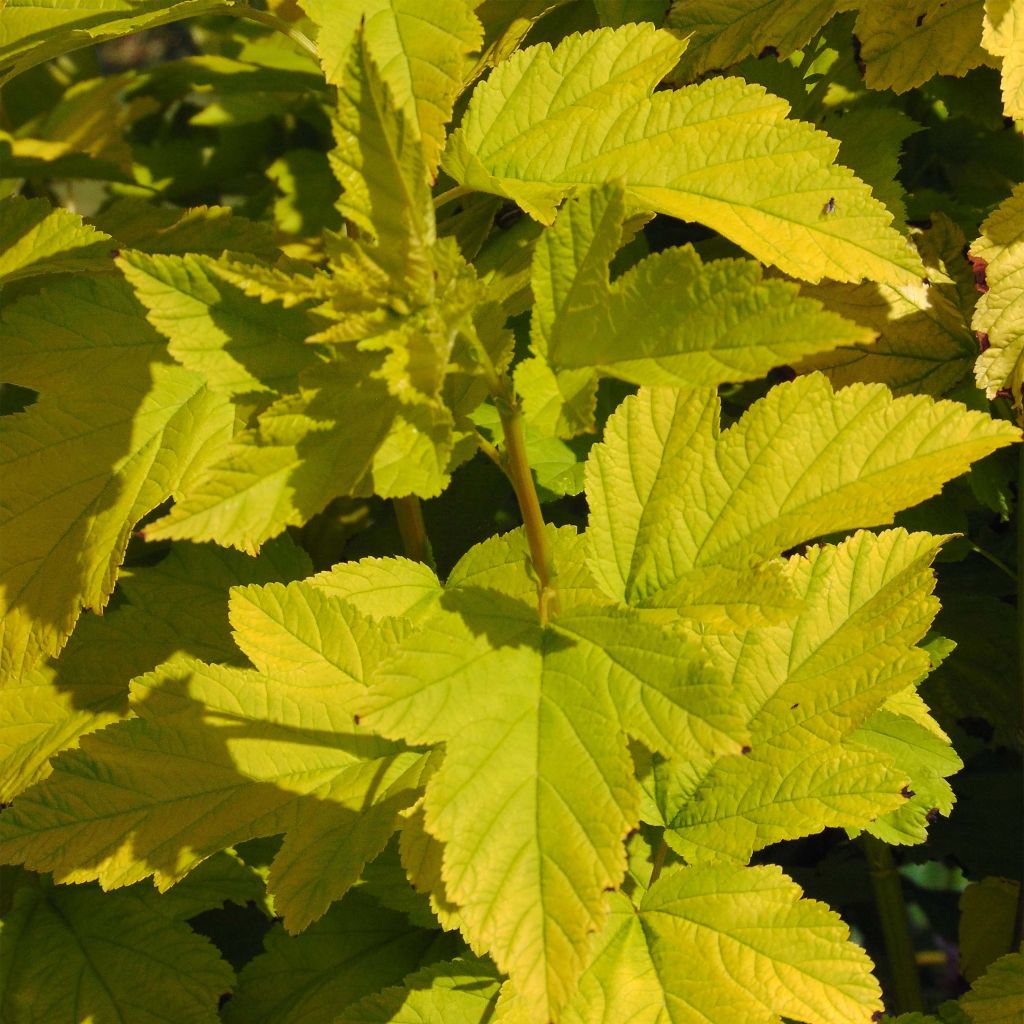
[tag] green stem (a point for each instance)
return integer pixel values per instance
(892, 911)
(279, 25)
(518, 468)
(489, 450)
(415, 542)
(997, 562)
(451, 195)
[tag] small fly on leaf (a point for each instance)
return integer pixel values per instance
(829, 207)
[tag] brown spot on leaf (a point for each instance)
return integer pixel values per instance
(745, 749)
(907, 792)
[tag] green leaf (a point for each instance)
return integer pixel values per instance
(382, 588)
(722, 32)
(385, 879)
(1000, 311)
(1002, 34)
(548, 121)
(218, 755)
(221, 879)
(924, 343)
(423, 53)
(356, 949)
(699, 936)
(199, 230)
(72, 953)
(85, 463)
(926, 759)
(309, 193)
(669, 493)
(670, 319)
(342, 434)
(535, 721)
(463, 991)
(995, 998)
(238, 344)
(977, 680)
(870, 143)
(281, 630)
(35, 239)
(988, 910)
(806, 684)
(379, 163)
(179, 605)
(32, 33)
(904, 44)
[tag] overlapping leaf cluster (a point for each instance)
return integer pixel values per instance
(530, 789)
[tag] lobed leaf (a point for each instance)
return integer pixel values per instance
(700, 934)
(535, 722)
(356, 949)
(669, 494)
(179, 605)
(721, 33)
(36, 238)
(927, 759)
(995, 998)
(218, 755)
(924, 345)
(1002, 34)
(670, 319)
(722, 153)
(462, 991)
(806, 684)
(74, 953)
(238, 344)
(1000, 311)
(380, 166)
(83, 465)
(342, 434)
(904, 44)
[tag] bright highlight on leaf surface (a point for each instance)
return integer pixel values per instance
(521, 784)
(36, 239)
(1002, 34)
(669, 493)
(1000, 311)
(806, 684)
(536, 792)
(670, 319)
(722, 153)
(423, 51)
(699, 934)
(220, 754)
